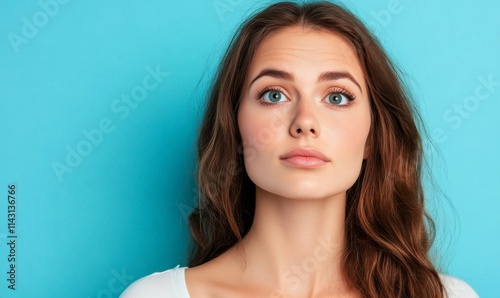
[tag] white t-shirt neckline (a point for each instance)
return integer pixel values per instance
(172, 283)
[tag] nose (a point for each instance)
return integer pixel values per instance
(305, 122)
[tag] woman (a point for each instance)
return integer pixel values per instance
(309, 170)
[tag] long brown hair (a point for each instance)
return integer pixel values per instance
(389, 233)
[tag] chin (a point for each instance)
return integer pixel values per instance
(297, 185)
(305, 191)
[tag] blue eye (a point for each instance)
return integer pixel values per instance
(338, 98)
(273, 96)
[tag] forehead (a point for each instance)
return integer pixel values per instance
(306, 49)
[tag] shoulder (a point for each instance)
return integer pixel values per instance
(169, 283)
(457, 288)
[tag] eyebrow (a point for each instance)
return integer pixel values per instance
(324, 77)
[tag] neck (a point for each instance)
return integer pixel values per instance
(296, 243)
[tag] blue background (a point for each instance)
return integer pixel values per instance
(119, 212)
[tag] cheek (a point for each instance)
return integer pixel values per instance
(260, 127)
(248, 125)
(355, 138)
(348, 137)
(347, 142)
(252, 129)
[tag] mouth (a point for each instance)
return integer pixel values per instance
(305, 158)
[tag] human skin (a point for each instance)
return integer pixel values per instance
(294, 247)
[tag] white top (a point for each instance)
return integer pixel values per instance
(172, 284)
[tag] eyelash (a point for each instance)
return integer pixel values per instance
(350, 95)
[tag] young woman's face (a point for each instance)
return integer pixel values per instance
(305, 89)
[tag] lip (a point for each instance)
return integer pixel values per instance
(305, 158)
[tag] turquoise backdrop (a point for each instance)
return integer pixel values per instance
(99, 107)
